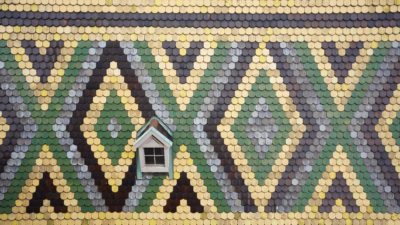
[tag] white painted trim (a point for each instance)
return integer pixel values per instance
(152, 132)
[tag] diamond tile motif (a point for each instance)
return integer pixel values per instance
(268, 138)
(113, 136)
(114, 127)
(113, 155)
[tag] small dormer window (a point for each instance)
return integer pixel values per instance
(154, 156)
(153, 147)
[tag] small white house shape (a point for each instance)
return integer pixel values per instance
(153, 146)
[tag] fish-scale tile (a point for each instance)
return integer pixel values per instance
(280, 111)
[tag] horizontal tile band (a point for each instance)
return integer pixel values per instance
(281, 217)
(200, 20)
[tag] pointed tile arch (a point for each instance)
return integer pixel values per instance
(339, 168)
(46, 175)
(185, 174)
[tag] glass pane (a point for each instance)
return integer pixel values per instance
(159, 151)
(160, 160)
(149, 160)
(148, 151)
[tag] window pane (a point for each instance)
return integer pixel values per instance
(154, 156)
(159, 151)
(149, 160)
(160, 160)
(148, 151)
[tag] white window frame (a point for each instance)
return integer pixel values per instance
(152, 143)
(154, 155)
(152, 138)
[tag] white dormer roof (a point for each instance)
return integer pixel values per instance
(149, 135)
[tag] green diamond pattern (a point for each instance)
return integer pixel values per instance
(114, 109)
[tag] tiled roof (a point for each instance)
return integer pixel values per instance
(280, 111)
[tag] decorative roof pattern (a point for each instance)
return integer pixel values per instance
(280, 111)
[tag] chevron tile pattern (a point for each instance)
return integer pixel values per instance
(262, 128)
(277, 114)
